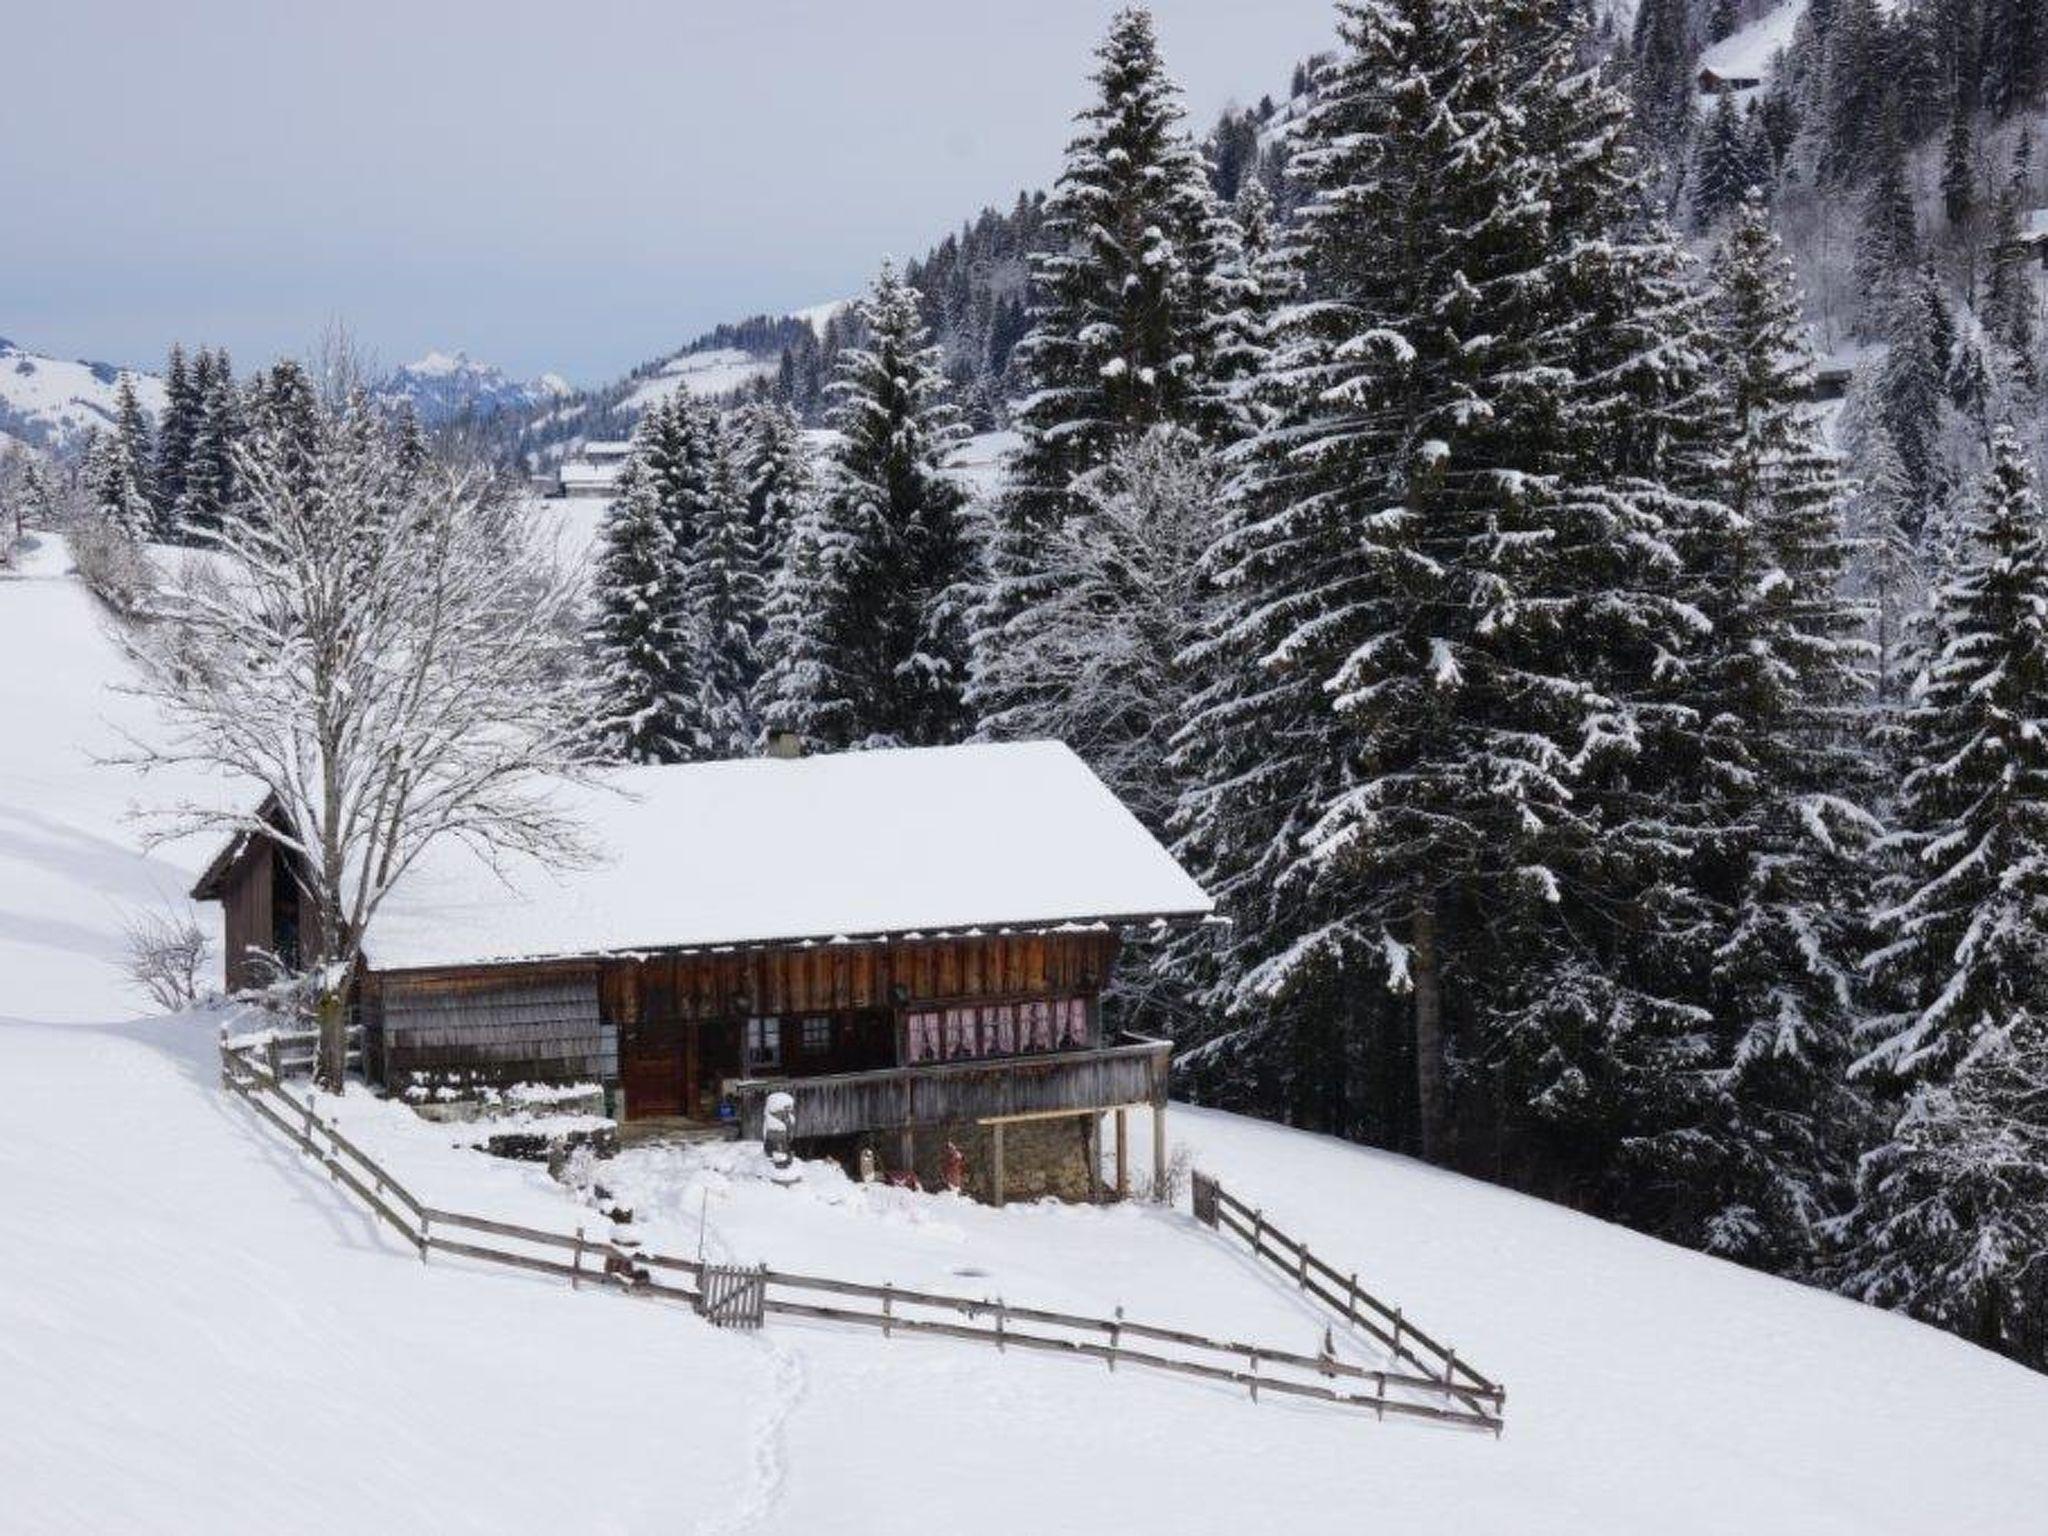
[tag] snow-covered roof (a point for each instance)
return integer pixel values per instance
(763, 850)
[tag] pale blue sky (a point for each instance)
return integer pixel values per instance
(563, 186)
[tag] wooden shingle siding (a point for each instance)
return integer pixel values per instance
(543, 1030)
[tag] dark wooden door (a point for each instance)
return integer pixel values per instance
(654, 1069)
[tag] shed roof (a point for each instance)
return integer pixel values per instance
(762, 851)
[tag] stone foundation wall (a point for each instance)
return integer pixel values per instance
(1041, 1158)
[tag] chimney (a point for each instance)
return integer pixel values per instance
(785, 744)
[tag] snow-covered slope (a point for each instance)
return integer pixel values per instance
(718, 371)
(72, 873)
(50, 402)
(1751, 51)
(198, 1332)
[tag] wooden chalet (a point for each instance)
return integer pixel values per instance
(1712, 82)
(913, 944)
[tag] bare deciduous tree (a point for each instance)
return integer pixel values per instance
(376, 646)
(166, 953)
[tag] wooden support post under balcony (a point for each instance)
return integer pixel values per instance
(996, 1159)
(1123, 1154)
(1159, 1190)
(1094, 1138)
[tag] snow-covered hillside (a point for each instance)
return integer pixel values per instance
(1752, 51)
(718, 371)
(50, 402)
(199, 1332)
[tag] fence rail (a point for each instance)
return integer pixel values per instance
(731, 1296)
(1216, 1207)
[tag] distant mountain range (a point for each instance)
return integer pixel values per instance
(443, 388)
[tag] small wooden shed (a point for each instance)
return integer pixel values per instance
(913, 944)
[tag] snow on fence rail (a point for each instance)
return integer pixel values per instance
(1217, 1208)
(731, 1297)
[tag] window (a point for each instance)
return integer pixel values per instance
(817, 1039)
(764, 1043)
(997, 1029)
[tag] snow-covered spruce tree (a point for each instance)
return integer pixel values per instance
(783, 509)
(795, 674)
(1440, 578)
(699, 659)
(1940, 1236)
(2015, 55)
(283, 420)
(1959, 162)
(637, 630)
(898, 566)
(1885, 571)
(1765, 1150)
(183, 403)
(210, 467)
(119, 469)
(723, 600)
(1964, 930)
(1953, 1224)
(1122, 300)
(2009, 294)
(1119, 299)
(424, 705)
(1909, 397)
(1247, 283)
(1594, 998)
(780, 479)
(1720, 164)
(1662, 48)
(1888, 241)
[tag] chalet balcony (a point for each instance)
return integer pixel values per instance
(987, 1089)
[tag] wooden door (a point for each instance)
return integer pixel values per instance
(654, 1068)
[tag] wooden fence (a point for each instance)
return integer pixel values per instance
(1216, 1207)
(741, 1297)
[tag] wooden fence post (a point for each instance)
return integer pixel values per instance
(888, 1299)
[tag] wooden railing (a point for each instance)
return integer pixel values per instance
(942, 1093)
(296, 1052)
(613, 1263)
(1360, 1310)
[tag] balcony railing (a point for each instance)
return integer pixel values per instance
(1133, 1071)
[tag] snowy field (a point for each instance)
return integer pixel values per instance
(199, 1333)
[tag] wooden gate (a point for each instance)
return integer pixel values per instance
(732, 1296)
